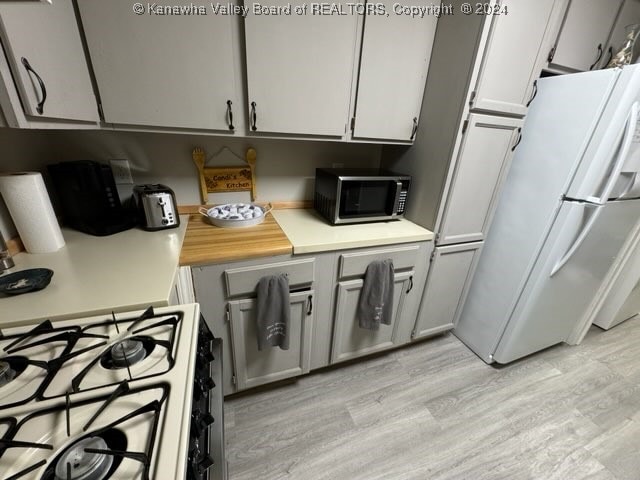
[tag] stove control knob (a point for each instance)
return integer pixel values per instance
(207, 335)
(204, 358)
(198, 390)
(209, 383)
(205, 464)
(206, 420)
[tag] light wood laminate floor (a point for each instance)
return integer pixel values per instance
(434, 411)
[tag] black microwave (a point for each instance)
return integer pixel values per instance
(355, 195)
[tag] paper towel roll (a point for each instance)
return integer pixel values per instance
(30, 208)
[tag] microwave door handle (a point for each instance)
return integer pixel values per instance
(397, 200)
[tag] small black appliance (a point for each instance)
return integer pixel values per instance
(88, 198)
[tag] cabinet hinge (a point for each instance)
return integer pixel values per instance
(472, 98)
(437, 237)
(233, 380)
(353, 123)
(227, 314)
(465, 125)
(413, 334)
(433, 254)
(100, 112)
(552, 53)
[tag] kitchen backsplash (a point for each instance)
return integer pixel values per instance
(285, 168)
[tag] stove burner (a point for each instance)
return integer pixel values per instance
(85, 465)
(10, 368)
(76, 464)
(127, 352)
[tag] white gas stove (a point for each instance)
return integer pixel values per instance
(127, 396)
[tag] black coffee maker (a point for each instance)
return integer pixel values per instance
(88, 198)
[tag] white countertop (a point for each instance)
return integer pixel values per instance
(95, 275)
(308, 232)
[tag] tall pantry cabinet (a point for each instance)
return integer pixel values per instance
(482, 78)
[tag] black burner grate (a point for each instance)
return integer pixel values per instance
(113, 434)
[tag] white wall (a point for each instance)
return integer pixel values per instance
(285, 168)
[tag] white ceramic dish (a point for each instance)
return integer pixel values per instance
(235, 215)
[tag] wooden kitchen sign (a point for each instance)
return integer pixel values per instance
(225, 179)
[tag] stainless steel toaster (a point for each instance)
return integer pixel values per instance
(156, 205)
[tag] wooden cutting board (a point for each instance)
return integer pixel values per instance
(207, 244)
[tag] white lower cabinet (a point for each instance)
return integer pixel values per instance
(349, 339)
(227, 297)
(324, 292)
(450, 275)
(254, 367)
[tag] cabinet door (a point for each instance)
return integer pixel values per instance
(584, 33)
(161, 70)
(481, 167)
(349, 340)
(629, 14)
(393, 70)
(42, 43)
(254, 367)
(450, 275)
(299, 70)
(510, 64)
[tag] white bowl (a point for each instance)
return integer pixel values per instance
(227, 216)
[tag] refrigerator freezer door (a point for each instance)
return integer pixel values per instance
(551, 305)
(609, 162)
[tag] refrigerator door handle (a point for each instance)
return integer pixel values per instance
(632, 182)
(627, 140)
(579, 239)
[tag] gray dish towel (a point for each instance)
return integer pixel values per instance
(272, 312)
(375, 305)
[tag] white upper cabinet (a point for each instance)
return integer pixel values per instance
(162, 70)
(514, 56)
(629, 14)
(299, 70)
(584, 34)
(43, 47)
(393, 69)
(482, 165)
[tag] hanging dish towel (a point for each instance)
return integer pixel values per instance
(273, 312)
(375, 304)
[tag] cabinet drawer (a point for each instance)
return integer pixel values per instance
(243, 281)
(355, 264)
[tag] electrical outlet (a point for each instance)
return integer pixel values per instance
(121, 172)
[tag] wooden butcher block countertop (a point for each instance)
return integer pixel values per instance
(205, 243)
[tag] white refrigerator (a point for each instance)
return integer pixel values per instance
(570, 201)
